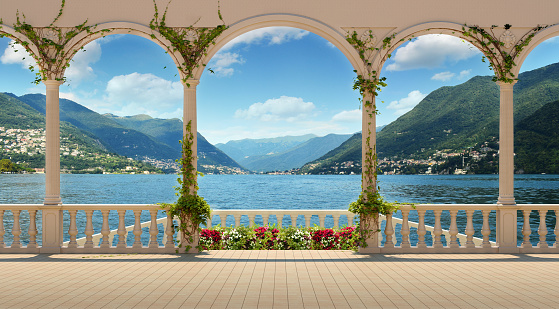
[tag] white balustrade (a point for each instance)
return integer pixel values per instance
(22, 233)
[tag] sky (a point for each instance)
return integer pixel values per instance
(265, 83)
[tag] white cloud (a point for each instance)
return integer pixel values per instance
(465, 73)
(348, 116)
(431, 51)
(443, 76)
(270, 35)
(16, 54)
(329, 44)
(80, 68)
(406, 104)
(221, 63)
(137, 93)
(285, 108)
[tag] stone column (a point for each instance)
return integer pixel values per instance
(368, 143)
(189, 114)
(51, 210)
(506, 205)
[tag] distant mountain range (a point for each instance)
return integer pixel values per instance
(461, 116)
(293, 157)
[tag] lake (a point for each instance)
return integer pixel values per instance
(279, 191)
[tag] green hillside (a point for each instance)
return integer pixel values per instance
(23, 139)
(348, 151)
(456, 118)
(296, 156)
(115, 137)
(537, 141)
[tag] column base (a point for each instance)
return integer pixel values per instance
(52, 229)
(507, 229)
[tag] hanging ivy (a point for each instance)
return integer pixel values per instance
(191, 43)
(190, 208)
(51, 41)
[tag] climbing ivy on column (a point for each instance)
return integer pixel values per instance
(190, 208)
(190, 42)
(370, 202)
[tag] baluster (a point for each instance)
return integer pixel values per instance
(336, 221)
(308, 220)
(137, 230)
(321, 219)
(153, 230)
(251, 220)
(526, 229)
(405, 231)
(280, 220)
(470, 229)
(453, 229)
(293, 222)
(2, 231)
(209, 223)
(105, 231)
(88, 229)
(437, 231)
(72, 229)
(265, 219)
(389, 231)
(16, 230)
(169, 231)
(121, 232)
(556, 229)
(421, 231)
(542, 230)
(32, 229)
(223, 218)
(237, 220)
(486, 230)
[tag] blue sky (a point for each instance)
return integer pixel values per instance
(268, 82)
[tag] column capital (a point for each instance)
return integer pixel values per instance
(52, 83)
(190, 83)
(506, 85)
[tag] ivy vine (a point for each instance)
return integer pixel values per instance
(191, 42)
(370, 202)
(500, 61)
(52, 58)
(190, 208)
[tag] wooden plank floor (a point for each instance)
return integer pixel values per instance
(279, 279)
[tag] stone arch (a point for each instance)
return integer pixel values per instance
(337, 38)
(539, 38)
(406, 34)
(111, 28)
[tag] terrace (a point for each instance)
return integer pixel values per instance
(69, 259)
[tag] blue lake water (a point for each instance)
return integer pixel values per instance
(278, 192)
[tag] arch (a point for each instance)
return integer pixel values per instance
(109, 28)
(539, 38)
(404, 35)
(284, 20)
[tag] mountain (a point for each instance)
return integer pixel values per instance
(296, 156)
(23, 139)
(240, 149)
(348, 151)
(169, 132)
(454, 118)
(115, 137)
(537, 141)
